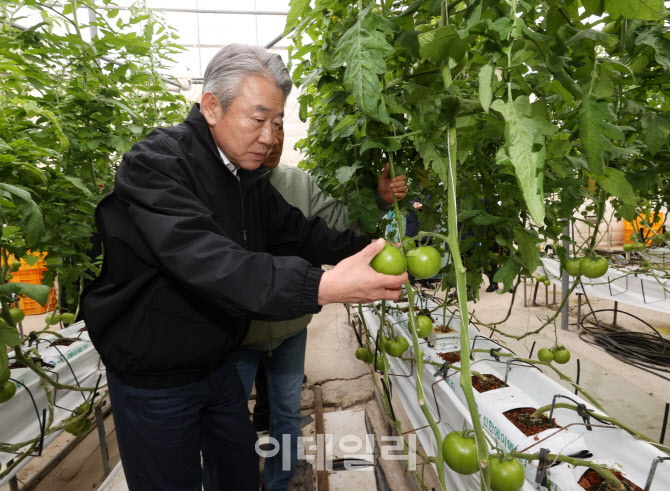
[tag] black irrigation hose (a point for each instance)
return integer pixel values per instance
(646, 351)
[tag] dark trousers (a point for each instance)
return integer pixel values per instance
(162, 432)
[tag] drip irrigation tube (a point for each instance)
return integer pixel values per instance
(647, 351)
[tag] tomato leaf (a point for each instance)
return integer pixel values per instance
(636, 9)
(442, 43)
(656, 131)
(31, 215)
(507, 273)
(363, 207)
(524, 133)
(595, 132)
(362, 49)
(39, 293)
(528, 250)
(485, 93)
(9, 336)
(655, 37)
(614, 182)
(297, 8)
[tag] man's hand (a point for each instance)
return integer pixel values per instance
(352, 280)
(387, 187)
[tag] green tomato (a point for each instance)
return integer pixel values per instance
(389, 261)
(53, 319)
(657, 239)
(546, 282)
(423, 262)
(545, 355)
(67, 318)
(408, 243)
(7, 391)
(394, 348)
(561, 355)
(593, 268)
(379, 363)
(506, 475)
(460, 453)
(629, 247)
(424, 326)
(403, 341)
(364, 355)
(4, 377)
(17, 315)
(15, 266)
(540, 278)
(666, 234)
(572, 266)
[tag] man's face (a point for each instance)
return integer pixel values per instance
(247, 131)
(275, 153)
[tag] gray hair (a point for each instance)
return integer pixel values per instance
(235, 62)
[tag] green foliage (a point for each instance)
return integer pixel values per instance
(69, 108)
(529, 99)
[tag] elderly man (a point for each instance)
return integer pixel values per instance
(196, 243)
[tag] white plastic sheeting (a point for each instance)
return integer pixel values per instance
(21, 415)
(619, 285)
(527, 387)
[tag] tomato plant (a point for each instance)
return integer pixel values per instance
(506, 475)
(423, 262)
(593, 267)
(561, 355)
(545, 354)
(424, 326)
(460, 453)
(389, 261)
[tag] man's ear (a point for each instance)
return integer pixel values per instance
(210, 107)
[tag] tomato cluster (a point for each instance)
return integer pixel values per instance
(589, 266)
(460, 454)
(421, 262)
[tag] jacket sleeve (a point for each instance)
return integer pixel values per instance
(192, 249)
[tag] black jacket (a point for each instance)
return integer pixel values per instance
(191, 254)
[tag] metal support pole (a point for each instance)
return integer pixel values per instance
(579, 309)
(546, 296)
(13, 484)
(616, 304)
(102, 436)
(525, 294)
(565, 286)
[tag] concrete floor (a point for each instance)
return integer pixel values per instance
(632, 395)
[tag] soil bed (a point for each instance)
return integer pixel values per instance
(62, 342)
(520, 417)
(451, 357)
(487, 382)
(592, 481)
(443, 329)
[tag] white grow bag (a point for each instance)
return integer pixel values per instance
(21, 417)
(527, 387)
